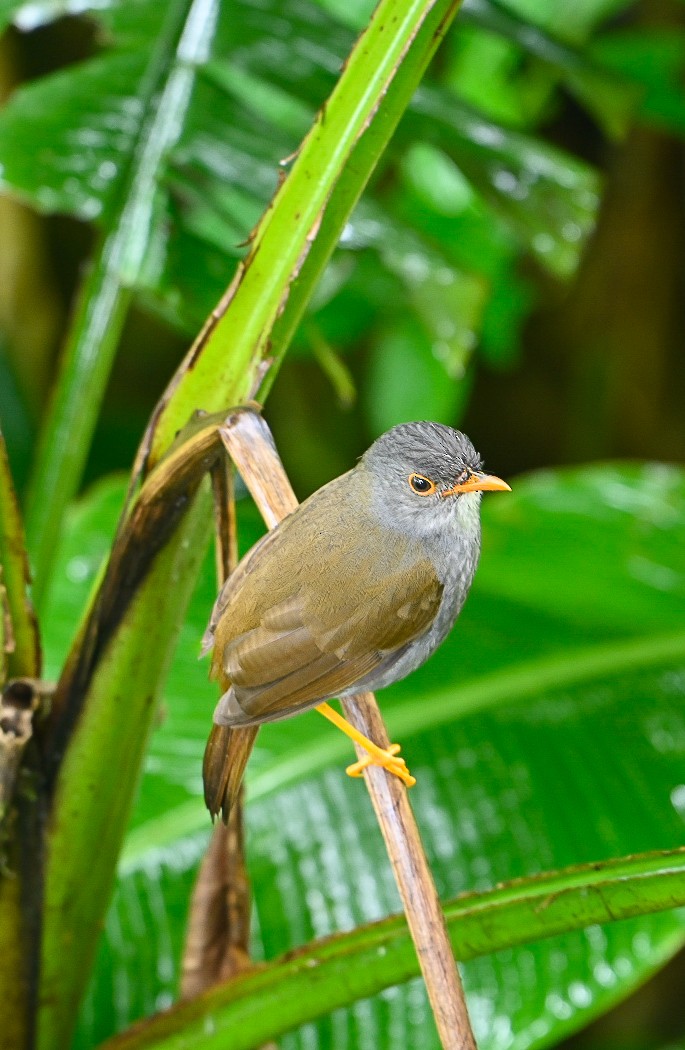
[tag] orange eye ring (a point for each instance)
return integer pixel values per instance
(421, 485)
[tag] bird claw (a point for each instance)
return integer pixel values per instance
(384, 757)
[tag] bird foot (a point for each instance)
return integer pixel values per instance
(384, 757)
(375, 755)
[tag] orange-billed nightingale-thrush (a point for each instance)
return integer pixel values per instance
(351, 592)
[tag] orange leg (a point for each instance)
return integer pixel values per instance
(375, 755)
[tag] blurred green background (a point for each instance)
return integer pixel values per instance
(439, 307)
(515, 268)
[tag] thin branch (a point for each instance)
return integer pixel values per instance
(250, 445)
(218, 934)
(216, 947)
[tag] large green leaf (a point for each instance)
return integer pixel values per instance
(277, 996)
(549, 730)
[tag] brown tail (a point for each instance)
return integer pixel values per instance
(224, 764)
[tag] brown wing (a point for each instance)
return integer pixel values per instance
(259, 580)
(303, 620)
(231, 587)
(310, 646)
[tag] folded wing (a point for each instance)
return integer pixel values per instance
(316, 643)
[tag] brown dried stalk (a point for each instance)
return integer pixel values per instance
(250, 445)
(217, 938)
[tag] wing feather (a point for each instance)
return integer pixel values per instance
(298, 661)
(292, 629)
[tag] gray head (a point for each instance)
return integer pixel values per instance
(428, 476)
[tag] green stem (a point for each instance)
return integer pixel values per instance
(295, 238)
(21, 654)
(19, 834)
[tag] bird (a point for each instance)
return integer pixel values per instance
(352, 591)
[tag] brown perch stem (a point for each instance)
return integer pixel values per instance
(249, 443)
(218, 933)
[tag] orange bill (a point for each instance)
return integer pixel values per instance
(478, 482)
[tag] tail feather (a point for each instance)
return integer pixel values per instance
(223, 768)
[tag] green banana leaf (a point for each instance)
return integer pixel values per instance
(548, 731)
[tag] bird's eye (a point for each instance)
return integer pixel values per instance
(421, 486)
